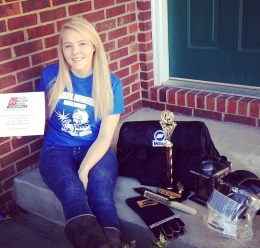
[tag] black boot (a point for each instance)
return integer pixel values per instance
(85, 232)
(114, 237)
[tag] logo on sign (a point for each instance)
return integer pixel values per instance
(159, 138)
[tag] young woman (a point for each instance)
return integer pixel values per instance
(84, 103)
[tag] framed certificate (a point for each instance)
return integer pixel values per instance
(22, 114)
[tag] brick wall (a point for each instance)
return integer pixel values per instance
(205, 104)
(28, 39)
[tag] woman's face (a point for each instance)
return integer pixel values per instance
(77, 52)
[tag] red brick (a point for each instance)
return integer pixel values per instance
(22, 21)
(132, 98)
(109, 46)
(62, 2)
(154, 93)
(95, 16)
(145, 47)
(179, 109)
(8, 184)
(211, 101)
(51, 41)
(171, 96)
(14, 65)
(11, 38)
(27, 87)
(35, 5)
(7, 81)
(181, 97)
(243, 106)
(232, 104)
(191, 98)
(133, 48)
(255, 108)
(130, 7)
(144, 37)
(146, 75)
(144, 57)
(146, 85)
(122, 73)
(144, 16)
(113, 66)
(118, 53)
(117, 33)
(115, 11)
(27, 47)
(123, 20)
(146, 66)
(5, 148)
(2, 26)
(136, 86)
(145, 94)
(133, 28)
(122, 1)
(51, 15)
(163, 94)
(137, 105)
(27, 162)
(135, 68)
(14, 156)
(106, 25)
(156, 105)
(125, 41)
(5, 197)
(98, 4)
(128, 61)
(143, 6)
(41, 31)
(201, 99)
(208, 114)
(8, 10)
(221, 103)
(36, 145)
(145, 26)
(44, 56)
(80, 8)
(5, 54)
(127, 89)
(29, 74)
(240, 119)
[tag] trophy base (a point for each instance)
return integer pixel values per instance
(198, 200)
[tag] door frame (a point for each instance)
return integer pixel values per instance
(159, 11)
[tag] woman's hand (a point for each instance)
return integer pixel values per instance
(83, 176)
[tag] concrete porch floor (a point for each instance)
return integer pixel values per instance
(239, 143)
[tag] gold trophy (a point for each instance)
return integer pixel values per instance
(168, 125)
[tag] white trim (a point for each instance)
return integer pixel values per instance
(160, 41)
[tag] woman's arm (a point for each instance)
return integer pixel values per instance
(99, 147)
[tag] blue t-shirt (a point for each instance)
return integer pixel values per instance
(73, 123)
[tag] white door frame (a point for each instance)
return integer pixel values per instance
(159, 10)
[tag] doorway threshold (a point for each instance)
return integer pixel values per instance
(238, 90)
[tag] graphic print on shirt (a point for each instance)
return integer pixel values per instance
(77, 124)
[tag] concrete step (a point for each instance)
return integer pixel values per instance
(239, 143)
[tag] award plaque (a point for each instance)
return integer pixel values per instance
(168, 125)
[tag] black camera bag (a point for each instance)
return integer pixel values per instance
(138, 158)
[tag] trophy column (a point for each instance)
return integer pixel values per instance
(168, 125)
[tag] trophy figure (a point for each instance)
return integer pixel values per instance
(168, 125)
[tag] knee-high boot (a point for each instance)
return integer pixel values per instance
(85, 232)
(114, 237)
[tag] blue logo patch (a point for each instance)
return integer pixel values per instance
(159, 135)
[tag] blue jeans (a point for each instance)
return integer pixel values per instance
(59, 170)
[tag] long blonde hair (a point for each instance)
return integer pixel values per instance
(102, 91)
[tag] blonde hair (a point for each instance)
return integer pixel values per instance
(101, 91)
